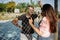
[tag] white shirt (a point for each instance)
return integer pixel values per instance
(45, 27)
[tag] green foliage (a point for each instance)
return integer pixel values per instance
(7, 6)
(10, 6)
(2, 7)
(21, 6)
(58, 14)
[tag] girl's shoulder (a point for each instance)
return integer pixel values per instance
(44, 19)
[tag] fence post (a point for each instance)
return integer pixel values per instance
(56, 10)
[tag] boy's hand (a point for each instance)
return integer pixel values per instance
(30, 21)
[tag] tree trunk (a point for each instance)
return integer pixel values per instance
(56, 10)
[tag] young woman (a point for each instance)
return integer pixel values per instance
(47, 24)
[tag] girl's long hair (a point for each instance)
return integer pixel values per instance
(47, 10)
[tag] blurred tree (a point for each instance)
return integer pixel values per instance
(56, 10)
(21, 6)
(58, 15)
(10, 6)
(2, 7)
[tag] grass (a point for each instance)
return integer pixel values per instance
(7, 16)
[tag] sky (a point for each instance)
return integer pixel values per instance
(43, 2)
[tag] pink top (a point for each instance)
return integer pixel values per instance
(44, 27)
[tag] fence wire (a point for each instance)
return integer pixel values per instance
(8, 31)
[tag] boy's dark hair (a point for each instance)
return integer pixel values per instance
(28, 7)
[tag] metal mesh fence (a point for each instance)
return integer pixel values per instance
(9, 37)
(8, 31)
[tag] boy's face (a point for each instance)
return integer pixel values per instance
(30, 10)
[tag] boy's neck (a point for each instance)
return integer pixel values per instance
(28, 15)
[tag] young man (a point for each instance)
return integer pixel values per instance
(26, 29)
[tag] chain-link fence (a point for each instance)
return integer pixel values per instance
(8, 31)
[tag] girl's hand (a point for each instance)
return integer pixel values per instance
(30, 21)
